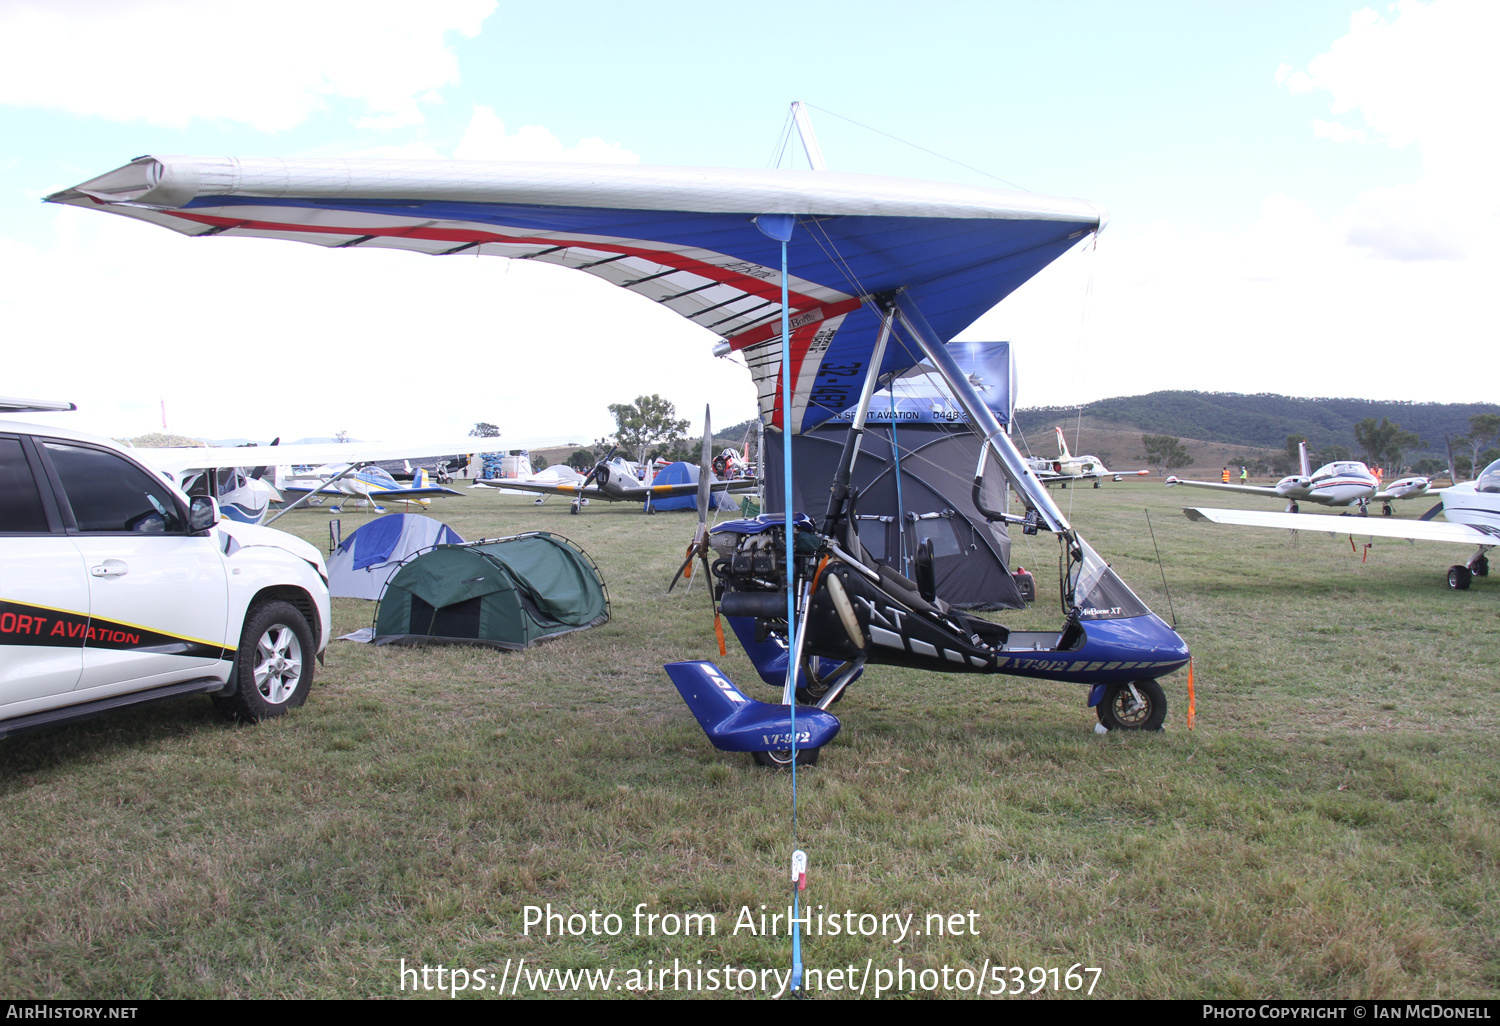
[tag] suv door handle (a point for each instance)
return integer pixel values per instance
(110, 568)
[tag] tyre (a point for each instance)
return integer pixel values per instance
(1459, 577)
(1480, 567)
(817, 686)
(1120, 711)
(273, 668)
(783, 759)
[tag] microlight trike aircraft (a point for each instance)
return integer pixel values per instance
(826, 283)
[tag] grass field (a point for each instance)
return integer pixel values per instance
(1329, 829)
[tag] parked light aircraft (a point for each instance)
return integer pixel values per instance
(1341, 483)
(1068, 467)
(364, 485)
(244, 495)
(557, 474)
(1471, 509)
(613, 480)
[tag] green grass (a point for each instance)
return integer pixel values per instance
(1329, 828)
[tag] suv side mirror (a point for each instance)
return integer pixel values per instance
(203, 513)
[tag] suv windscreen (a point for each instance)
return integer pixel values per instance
(108, 493)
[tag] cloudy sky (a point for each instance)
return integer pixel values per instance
(1298, 195)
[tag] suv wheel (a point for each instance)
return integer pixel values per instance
(273, 668)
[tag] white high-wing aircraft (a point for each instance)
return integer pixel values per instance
(1341, 483)
(246, 497)
(1068, 467)
(1471, 509)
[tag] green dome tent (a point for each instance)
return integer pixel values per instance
(507, 593)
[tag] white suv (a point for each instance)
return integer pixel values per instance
(116, 588)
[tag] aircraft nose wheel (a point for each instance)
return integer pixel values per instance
(573, 508)
(1121, 710)
(1459, 577)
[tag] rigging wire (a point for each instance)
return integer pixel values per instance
(779, 151)
(906, 142)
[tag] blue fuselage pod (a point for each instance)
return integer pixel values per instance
(769, 657)
(1114, 651)
(737, 723)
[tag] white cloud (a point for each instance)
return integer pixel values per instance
(270, 66)
(1337, 131)
(256, 338)
(485, 139)
(1422, 76)
(1288, 306)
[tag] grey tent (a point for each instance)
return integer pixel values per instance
(928, 492)
(507, 593)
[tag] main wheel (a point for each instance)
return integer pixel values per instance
(783, 759)
(816, 686)
(1480, 567)
(273, 668)
(1120, 711)
(1459, 578)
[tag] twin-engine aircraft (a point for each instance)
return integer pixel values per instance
(1471, 509)
(1068, 467)
(1341, 483)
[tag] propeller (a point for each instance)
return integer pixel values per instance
(592, 474)
(260, 472)
(698, 547)
(1452, 474)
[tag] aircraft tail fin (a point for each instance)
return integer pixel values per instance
(735, 723)
(1062, 445)
(1306, 464)
(419, 479)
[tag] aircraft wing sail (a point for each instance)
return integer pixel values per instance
(682, 237)
(1415, 530)
(178, 460)
(1246, 489)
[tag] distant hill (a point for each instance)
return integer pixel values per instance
(1263, 420)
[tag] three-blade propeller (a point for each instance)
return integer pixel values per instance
(698, 548)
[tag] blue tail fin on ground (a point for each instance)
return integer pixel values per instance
(735, 723)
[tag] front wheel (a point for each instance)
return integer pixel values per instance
(783, 759)
(1120, 710)
(273, 668)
